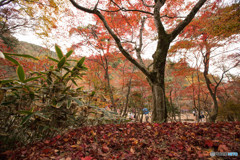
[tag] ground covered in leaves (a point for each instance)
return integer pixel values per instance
(138, 141)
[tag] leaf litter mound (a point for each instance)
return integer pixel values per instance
(143, 141)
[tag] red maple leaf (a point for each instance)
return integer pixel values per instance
(58, 136)
(86, 158)
(209, 143)
(223, 148)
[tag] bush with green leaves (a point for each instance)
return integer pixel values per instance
(43, 104)
(46, 103)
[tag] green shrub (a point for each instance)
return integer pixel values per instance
(44, 104)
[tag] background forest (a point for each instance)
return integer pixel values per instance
(101, 76)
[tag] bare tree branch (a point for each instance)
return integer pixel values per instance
(96, 5)
(4, 2)
(149, 66)
(166, 16)
(110, 11)
(81, 8)
(127, 10)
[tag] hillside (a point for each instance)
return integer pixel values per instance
(7, 68)
(32, 49)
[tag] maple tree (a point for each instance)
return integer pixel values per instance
(102, 45)
(108, 59)
(103, 61)
(122, 19)
(129, 87)
(212, 30)
(175, 83)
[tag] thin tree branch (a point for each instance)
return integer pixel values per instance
(151, 6)
(149, 66)
(96, 5)
(139, 49)
(4, 2)
(187, 20)
(110, 11)
(157, 19)
(127, 10)
(166, 16)
(81, 8)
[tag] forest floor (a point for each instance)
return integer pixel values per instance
(133, 141)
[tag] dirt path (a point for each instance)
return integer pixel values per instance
(186, 117)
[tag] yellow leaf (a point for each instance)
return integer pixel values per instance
(74, 146)
(132, 150)
(134, 141)
(93, 133)
(65, 139)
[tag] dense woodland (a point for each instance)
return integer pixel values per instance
(63, 105)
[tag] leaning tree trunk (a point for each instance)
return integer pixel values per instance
(213, 115)
(110, 90)
(211, 88)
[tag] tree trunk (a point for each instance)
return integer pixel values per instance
(199, 105)
(173, 109)
(111, 94)
(157, 81)
(109, 85)
(127, 97)
(213, 115)
(212, 91)
(141, 116)
(159, 103)
(177, 105)
(128, 93)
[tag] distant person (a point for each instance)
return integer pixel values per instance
(201, 117)
(146, 112)
(194, 113)
(131, 116)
